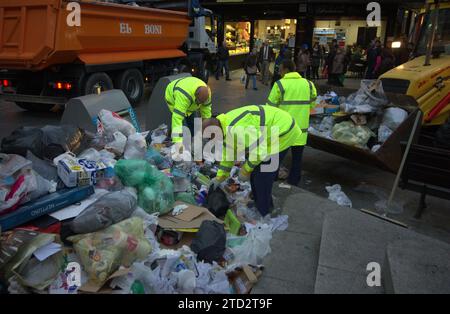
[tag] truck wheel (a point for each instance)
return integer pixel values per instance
(203, 71)
(132, 83)
(95, 80)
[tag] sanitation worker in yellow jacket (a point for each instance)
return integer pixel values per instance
(297, 96)
(260, 136)
(184, 97)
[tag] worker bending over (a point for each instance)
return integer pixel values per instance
(261, 133)
(297, 96)
(184, 97)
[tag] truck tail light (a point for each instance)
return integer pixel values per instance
(5, 83)
(62, 85)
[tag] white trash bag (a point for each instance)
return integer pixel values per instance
(336, 195)
(255, 247)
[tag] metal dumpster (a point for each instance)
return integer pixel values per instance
(388, 156)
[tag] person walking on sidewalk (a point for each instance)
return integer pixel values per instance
(273, 131)
(316, 59)
(338, 68)
(251, 68)
(264, 59)
(223, 55)
(303, 61)
(297, 96)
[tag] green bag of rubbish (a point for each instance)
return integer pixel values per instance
(155, 189)
(348, 133)
(186, 197)
(101, 253)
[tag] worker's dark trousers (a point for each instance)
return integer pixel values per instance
(295, 173)
(262, 183)
(189, 122)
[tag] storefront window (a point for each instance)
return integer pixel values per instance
(277, 32)
(237, 37)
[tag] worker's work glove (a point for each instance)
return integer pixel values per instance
(215, 183)
(177, 151)
(244, 175)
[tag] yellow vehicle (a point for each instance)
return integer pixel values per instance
(422, 83)
(426, 77)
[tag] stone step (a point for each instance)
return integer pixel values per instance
(421, 266)
(350, 241)
(292, 265)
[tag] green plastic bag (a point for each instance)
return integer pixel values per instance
(186, 197)
(155, 189)
(348, 133)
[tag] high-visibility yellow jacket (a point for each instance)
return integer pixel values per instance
(254, 133)
(180, 98)
(297, 96)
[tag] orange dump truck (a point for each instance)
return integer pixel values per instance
(53, 50)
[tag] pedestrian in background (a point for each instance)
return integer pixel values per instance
(223, 55)
(316, 59)
(373, 56)
(251, 68)
(280, 58)
(330, 59)
(303, 61)
(338, 67)
(387, 61)
(266, 56)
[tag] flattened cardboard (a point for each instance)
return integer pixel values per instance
(90, 287)
(191, 218)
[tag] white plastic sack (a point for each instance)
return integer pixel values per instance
(336, 195)
(117, 146)
(112, 123)
(383, 133)
(159, 134)
(255, 247)
(393, 117)
(369, 98)
(90, 154)
(136, 147)
(11, 163)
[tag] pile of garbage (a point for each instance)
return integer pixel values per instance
(113, 213)
(364, 119)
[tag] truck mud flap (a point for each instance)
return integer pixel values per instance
(33, 99)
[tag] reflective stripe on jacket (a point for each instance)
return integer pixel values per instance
(297, 96)
(253, 133)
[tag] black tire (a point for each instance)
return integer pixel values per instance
(203, 71)
(131, 82)
(97, 79)
(35, 107)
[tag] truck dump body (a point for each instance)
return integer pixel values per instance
(389, 155)
(34, 34)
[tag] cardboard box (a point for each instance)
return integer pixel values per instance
(191, 218)
(44, 205)
(79, 172)
(244, 278)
